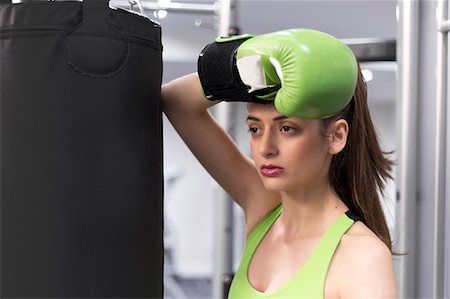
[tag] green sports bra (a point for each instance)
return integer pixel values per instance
(309, 281)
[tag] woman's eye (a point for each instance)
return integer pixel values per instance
(253, 130)
(287, 129)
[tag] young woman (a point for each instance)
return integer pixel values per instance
(314, 223)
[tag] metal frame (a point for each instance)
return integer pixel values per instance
(446, 25)
(173, 6)
(439, 235)
(224, 204)
(372, 49)
(183, 7)
(407, 96)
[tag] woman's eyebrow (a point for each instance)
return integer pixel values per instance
(281, 117)
(278, 118)
(251, 117)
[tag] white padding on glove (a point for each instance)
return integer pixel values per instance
(277, 65)
(251, 72)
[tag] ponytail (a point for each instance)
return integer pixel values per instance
(359, 172)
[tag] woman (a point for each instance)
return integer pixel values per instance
(314, 223)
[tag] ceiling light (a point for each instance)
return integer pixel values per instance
(367, 74)
(160, 13)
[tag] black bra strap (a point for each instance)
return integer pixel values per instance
(352, 215)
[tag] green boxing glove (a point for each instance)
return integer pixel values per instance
(307, 73)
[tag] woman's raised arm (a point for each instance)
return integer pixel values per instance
(186, 107)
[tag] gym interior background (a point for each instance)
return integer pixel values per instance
(191, 200)
(404, 98)
(404, 47)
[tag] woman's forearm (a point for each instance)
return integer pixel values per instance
(184, 97)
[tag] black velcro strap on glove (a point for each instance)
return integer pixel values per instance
(218, 72)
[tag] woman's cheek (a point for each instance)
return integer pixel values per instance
(308, 154)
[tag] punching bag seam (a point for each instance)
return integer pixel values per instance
(93, 75)
(10, 35)
(80, 27)
(129, 39)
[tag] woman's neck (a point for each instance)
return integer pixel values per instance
(309, 212)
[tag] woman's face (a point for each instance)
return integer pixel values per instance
(289, 152)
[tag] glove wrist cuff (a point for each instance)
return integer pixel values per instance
(218, 72)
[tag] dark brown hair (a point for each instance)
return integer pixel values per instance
(359, 172)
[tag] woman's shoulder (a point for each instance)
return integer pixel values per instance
(366, 263)
(361, 238)
(360, 246)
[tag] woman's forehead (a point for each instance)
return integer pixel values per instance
(262, 108)
(257, 111)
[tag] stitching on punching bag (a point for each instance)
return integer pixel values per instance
(94, 74)
(96, 24)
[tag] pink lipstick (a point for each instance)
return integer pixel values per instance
(270, 170)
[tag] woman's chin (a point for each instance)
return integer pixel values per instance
(274, 186)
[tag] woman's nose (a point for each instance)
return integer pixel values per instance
(268, 146)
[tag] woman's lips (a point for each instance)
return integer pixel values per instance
(271, 170)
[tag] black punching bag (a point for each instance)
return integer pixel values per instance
(81, 152)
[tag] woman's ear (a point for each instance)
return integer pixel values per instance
(338, 133)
